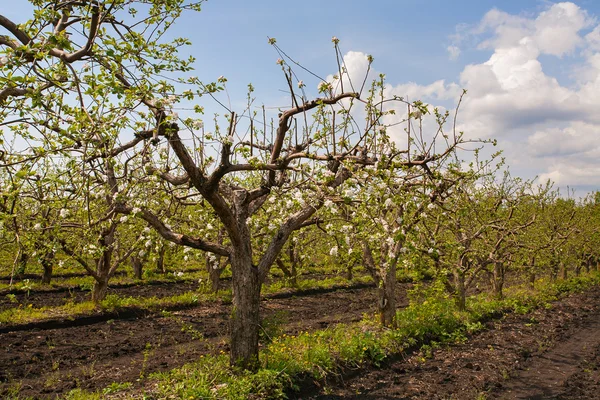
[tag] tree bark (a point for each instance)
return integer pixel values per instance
(563, 270)
(245, 318)
(160, 261)
(498, 280)
(532, 278)
(369, 263)
(22, 265)
(349, 271)
(387, 297)
(47, 261)
(460, 293)
(136, 264)
(100, 290)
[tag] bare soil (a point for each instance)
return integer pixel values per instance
(548, 354)
(46, 363)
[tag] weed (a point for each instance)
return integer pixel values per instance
(12, 297)
(52, 380)
(147, 354)
(117, 387)
(272, 326)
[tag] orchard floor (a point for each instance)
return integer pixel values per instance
(46, 363)
(548, 354)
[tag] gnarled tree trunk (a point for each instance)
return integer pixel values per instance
(246, 311)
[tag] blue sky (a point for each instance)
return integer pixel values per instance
(532, 68)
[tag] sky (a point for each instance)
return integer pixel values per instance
(531, 67)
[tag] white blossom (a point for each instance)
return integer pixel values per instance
(198, 124)
(64, 213)
(334, 251)
(37, 227)
(123, 219)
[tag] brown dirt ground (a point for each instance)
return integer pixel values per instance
(46, 363)
(548, 354)
(61, 296)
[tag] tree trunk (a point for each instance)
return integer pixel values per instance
(22, 265)
(369, 262)
(294, 275)
(349, 271)
(103, 269)
(137, 265)
(387, 297)
(588, 264)
(214, 274)
(289, 274)
(563, 270)
(553, 270)
(100, 290)
(498, 280)
(460, 292)
(245, 318)
(294, 259)
(532, 278)
(47, 261)
(578, 267)
(160, 261)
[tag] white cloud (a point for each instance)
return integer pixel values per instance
(550, 130)
(453, 52)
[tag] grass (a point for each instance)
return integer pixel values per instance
(431, 319)
(23, 313)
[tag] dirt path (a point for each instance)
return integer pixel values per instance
(50, 362)
(555, 373)
(548, 354)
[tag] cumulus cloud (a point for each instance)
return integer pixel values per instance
(549, 129)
